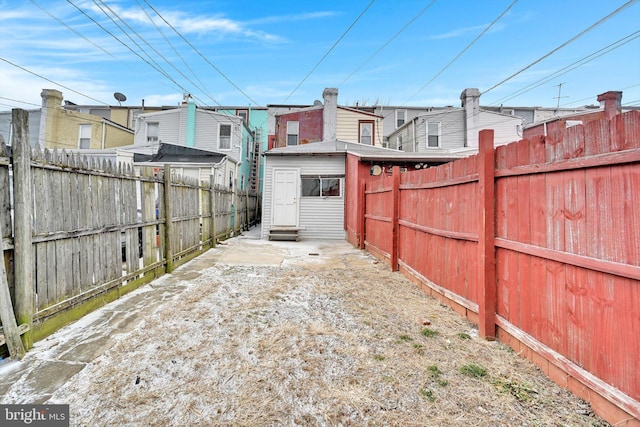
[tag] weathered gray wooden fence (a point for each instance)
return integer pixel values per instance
(99, 231)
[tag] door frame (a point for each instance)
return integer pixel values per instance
(274, 189)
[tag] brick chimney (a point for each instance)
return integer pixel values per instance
(612, 103)
(470, 99)
(329, 114)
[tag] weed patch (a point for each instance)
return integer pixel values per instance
(428, 332)
(473, 370)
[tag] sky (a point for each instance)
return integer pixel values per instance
(256, 52)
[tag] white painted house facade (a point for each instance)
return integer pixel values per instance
(304, 190)
(451, 130)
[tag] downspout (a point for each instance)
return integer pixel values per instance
(415, 141)
(104, 133)
(191, 123)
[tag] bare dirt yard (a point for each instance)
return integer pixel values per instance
(327, 337)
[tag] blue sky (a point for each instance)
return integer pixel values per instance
(399, 52)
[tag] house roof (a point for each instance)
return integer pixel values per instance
(169, 153)
(356, 110)
(364, 152)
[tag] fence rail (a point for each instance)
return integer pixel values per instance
(538, 242)
(97, 231)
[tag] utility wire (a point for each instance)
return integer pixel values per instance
(149, 45)
(201, 55)
(159, 69)
(330, 49)
(73, 30)
(51, 81)
(388, 41)
(592, 97)
(172, 46)
(21, 102)
(574, 38)
(464, 50)
(585, 60)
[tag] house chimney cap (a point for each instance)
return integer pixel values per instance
(330, 91)
(611, 95)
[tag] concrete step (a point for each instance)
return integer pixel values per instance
(285, 234)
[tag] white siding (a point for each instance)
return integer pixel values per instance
(451, 132)
(318, 218)
(505, 128)
(207, 133)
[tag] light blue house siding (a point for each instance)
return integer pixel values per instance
(258, 118)
(200, 128)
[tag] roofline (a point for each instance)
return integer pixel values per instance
(355, 110)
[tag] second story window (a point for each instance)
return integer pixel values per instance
(366, 133)
(433, 135)
(152, 132)
(293, 132)
(84, 136)
(401, 117)
(244, 115)
(224, 136)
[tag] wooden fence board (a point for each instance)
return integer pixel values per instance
(567, 215)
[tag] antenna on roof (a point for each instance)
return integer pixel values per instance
(120, 98)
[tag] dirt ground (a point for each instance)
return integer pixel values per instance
(328, 337)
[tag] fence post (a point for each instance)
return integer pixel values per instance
(486, 236)
(23, 255)
(394, 218)
(246, 201)
(214, 240)
(168, 214)
(361, 208)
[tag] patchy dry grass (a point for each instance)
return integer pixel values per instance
(334, 342)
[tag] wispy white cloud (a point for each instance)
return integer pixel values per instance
(467, 30)
(217, 25)
(290, 18)
(165, 99)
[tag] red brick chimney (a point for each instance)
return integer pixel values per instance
(612, 103)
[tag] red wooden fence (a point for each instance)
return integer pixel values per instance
(538, 242)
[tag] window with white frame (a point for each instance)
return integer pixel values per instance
(293, 132)
(321, 186)
(244, 115)
(401, 117)
(433, 135)
(84, 136)
(224, 136)
(366, 133)
(399, 142)
(152, 132)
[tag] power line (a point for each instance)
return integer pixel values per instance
(464, 50)
(574, 38)
(592, 97)
(582, 61)
(172, 46)
(148, 44)
(17, 100)
(388, 41)
(73, 30)
(330, 49)
(51, 81)
(157, 68)
(201, 55)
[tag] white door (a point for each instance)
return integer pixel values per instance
(285, 197)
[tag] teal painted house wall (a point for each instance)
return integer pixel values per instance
(258, 119)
